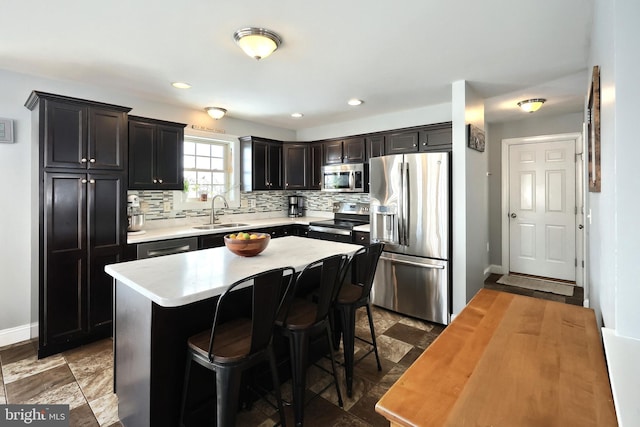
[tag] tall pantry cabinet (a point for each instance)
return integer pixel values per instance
(82, 215)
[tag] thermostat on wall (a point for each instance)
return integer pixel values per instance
(6, 130)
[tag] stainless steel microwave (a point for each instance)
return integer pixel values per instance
(348, 178)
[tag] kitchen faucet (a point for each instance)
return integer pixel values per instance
(214, 219)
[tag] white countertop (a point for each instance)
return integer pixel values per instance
(187, 230)
(175, 280)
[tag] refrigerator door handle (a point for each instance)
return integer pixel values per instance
(401, 207)
(405, 204)
(417, 264)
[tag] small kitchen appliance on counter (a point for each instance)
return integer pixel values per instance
(134, 214)
(293, 207)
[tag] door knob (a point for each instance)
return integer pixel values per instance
(513, 215)
(580, 226)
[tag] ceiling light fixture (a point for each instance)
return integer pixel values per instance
(296, 115)
(216, 112)
(531, 105)
(181, 85)
(355, 101)
(258, 43)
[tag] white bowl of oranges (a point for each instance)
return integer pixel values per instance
(247, 244)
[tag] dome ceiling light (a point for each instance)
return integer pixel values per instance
(258, 43)
(181, 85)
(531, 105)
(355, 102)
(216, 112)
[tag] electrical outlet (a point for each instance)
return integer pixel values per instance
(167, 206)
(252, 203)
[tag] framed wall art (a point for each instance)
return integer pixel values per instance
(6, 130)
(475, 138)
(593, 130)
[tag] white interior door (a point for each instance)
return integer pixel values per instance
(542, 209)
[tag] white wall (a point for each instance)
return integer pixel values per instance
(627, 155)
(532, 125)
(601, 232)
(19, 237)
(470, 198)
(613, 235)
(400, 119)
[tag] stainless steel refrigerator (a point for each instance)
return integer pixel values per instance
(410, 214)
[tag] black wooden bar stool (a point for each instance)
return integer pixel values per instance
(306, 314)
(231, 347)
(354, 294)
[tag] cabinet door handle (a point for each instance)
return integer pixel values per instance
(92, 160)
(83, 180)
(92, 181)
(160, 181)
(83, 160)
(414, 145)
(155, 181)
(424, 143)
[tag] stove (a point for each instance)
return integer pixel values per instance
(346, 216)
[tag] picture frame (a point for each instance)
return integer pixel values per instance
(593, 132)
(6, 131)
(475, 138)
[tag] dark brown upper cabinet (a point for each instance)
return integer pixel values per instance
(401, 142)
(80, 134)
(296, 159)
(344, 151)
(374, 146)
(156, 150)
(437, 139)
(315, 161)
(260, 164)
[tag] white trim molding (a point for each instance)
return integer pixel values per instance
(18, 334)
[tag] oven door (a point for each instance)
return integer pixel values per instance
(329, 233)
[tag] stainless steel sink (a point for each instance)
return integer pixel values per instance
(216, 226)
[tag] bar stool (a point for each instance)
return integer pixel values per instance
(354, 294)
(306, 314)
(240, 343)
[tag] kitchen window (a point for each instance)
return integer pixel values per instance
(205, 167)
(211, 166)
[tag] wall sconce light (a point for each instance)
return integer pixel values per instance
(531, 105)
(216, 112)
(258, 43)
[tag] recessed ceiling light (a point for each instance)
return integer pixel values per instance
(296, 115)
(181, 85)
(355, 101)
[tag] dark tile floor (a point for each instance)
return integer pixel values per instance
(82, 377)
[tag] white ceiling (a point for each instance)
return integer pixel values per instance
(395, 55)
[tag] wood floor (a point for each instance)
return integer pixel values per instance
(82, 377)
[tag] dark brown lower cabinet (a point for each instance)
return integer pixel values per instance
(82, 231)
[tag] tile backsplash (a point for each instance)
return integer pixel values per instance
(160, 204)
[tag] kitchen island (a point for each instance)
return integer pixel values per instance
(160, 302)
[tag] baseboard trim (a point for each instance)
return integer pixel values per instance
(18, 334)
(492, 269)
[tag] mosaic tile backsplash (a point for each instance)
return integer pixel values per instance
(160, 204)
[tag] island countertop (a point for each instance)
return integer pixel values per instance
(176, 280)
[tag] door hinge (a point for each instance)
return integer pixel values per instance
(582, 263)
(576, 262)
(576, 211)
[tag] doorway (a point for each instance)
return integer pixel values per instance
(542, 212)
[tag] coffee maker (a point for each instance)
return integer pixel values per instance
(293, 207)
